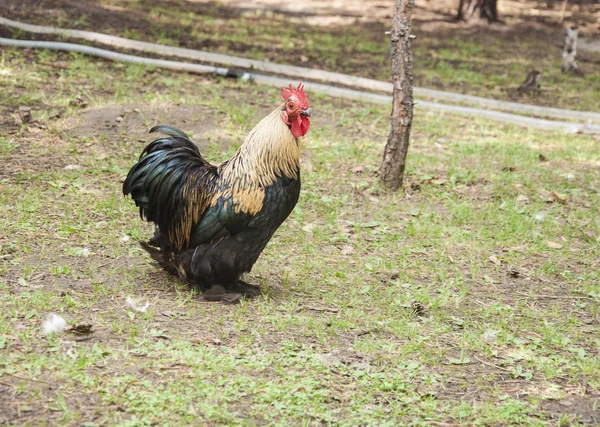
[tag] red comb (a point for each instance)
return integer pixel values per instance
(298, 92)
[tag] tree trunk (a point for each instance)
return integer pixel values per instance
(394, 155)
(473, 10)
(570, 50)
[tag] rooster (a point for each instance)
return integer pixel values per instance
(212, 222)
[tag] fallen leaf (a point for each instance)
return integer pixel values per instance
(347, 250)
(553, 245)
(370, 224)
(494, 259)
(358, 169)
(513, 249)
(561, 198)
(308, 228)
(542, 158)
(553, 196)
(522, 198)
(81, 329)
(169, 313)
(588, 235)
(462, 361)
(157, 333)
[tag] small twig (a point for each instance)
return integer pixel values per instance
(329, 309)
(553, 296)
(492, 365)
(27, 379)
(563, 11)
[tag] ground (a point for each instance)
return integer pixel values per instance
(470, 298)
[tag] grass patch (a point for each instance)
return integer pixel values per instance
(472, 298)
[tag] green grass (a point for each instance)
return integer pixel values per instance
(446, 303)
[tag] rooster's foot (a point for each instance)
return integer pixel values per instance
(246, 289)
(232, 295)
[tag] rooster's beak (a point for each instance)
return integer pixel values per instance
(305, 112)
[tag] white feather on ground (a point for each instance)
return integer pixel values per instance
(54, 324)
(131, 303)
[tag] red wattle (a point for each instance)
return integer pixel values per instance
(300, 125)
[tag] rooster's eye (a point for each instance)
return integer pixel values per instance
(291, 105)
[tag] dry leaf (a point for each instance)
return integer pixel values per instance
(561, 198)
(553, 196)
(308, 228)
(347, 250)
(358, 169)
(553, 245)
(522, 198)
(81, 329)
(169, 313)
(542, 158)
(589, 236)
(495, 260)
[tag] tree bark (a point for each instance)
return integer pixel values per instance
(473, 10)
(570, 50)
(394, 155)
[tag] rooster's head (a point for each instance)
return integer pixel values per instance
(295, 112)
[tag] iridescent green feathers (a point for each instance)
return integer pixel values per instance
(172, 185)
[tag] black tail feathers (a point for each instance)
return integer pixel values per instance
(169, 130)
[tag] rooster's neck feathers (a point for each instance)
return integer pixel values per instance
(270, 151)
